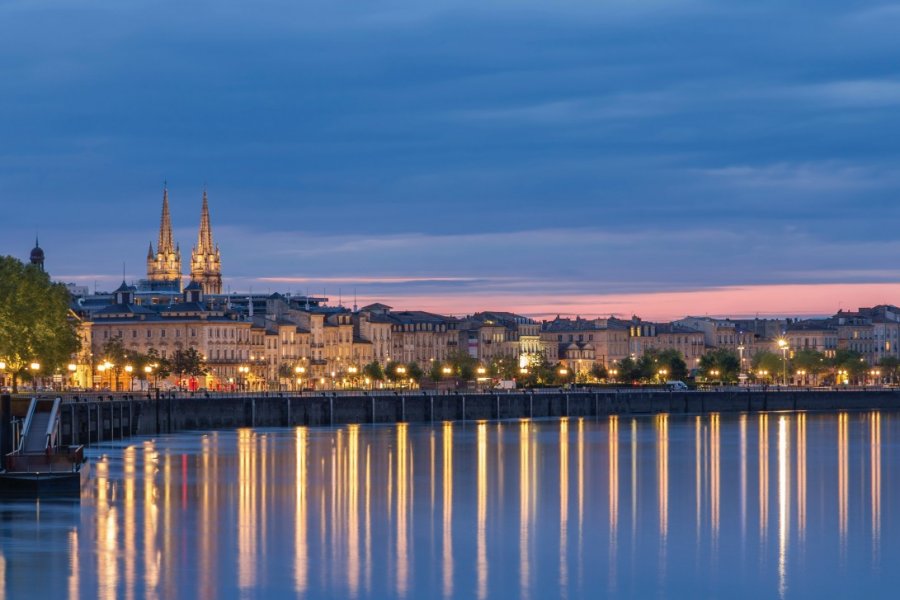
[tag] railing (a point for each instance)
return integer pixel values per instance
(26, 424)
(62, 460)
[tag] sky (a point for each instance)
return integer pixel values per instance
(599, 157)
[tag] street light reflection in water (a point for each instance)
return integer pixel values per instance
(481, 510)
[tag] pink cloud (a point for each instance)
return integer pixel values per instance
(736, 301)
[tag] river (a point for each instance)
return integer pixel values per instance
(776, 505)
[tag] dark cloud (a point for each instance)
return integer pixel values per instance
(596, 145)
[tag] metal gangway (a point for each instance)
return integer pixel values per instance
(39, 431)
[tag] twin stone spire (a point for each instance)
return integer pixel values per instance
(164, 265)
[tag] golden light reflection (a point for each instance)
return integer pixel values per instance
(563, 502)
(698, 473)
(763, 477)
(875, 481)
(580, 500)
(368, 518)
(613, 500)
(152, 554)
(353, 566)
(448, 510)
(714, 476)
(524, 509)
(784, 502)
(662, 474)
(107, 535)
(801, 476)
(402, 509)
(301, 548)
(74, 570)
(742, 427)
(843, 478)
(208, 518)
(247, 513)
(481, 553)
(129, 460)
(634, 482)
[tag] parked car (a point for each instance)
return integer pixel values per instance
(677, 386)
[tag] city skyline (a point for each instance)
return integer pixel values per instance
(590, 152)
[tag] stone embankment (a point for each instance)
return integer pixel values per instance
(91, 421)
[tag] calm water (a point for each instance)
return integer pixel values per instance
(761, 506)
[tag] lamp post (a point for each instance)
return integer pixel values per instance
(400, 371)
(35, 367)
(741, 351)
(242, 374)
(299, 371)
(147, 370)
(783, 345)
(129, 369)
(71, 368)
(352, 370)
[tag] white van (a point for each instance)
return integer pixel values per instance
(677, 386)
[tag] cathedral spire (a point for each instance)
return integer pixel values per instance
(204, 237)
(206, 265)
(165, 245)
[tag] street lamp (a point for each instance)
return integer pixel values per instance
(129, 369)
(447, 371)
(783, 344)
(662, 374)
(35, 366)
(741, 350)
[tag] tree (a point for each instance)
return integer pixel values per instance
(188, 362)
(463, 364)
(767, 365)
(391, 371)
(721, 364)
(503, 367)
(890, 365)
(629, 371)
(436, 372)
(161, 367)
(599, 372)
(851, 362)
(652, 364)
(34, 320)
(373, 371)
(414, 371)
(811, 362)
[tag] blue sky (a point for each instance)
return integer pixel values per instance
(497, 150)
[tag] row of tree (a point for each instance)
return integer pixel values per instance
(183, 362)
(805, 366)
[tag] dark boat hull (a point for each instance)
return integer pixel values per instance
(50, 484)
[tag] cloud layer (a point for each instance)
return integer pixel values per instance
(421, 150)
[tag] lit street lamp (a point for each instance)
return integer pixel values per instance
(35, 366)
(783, 344)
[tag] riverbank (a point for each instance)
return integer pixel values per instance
(92, 421)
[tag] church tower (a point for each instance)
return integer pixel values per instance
(37, 255)
(206, 264)
(164, 266)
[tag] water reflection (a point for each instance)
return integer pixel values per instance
(447, 536)
(843, 479)
(481, 553)
(875, 482)
(356, 512)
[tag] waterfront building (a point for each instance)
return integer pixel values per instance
(818, 335)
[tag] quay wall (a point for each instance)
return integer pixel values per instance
(89, 422)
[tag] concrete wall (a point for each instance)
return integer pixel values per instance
(108, 420)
